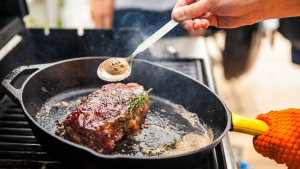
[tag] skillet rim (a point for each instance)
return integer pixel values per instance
(104, 156)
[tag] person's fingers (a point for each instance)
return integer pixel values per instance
(209, 19)
(107, 21)
(102, 12)
(98, 21)
(188, 25)
(93, 16)
(191, 11)
(205, 23)
(181, 3)
(197, 24)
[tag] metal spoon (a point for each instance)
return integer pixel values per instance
(116, 69)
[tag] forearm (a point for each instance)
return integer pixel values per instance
(271, 9)
(199, 14)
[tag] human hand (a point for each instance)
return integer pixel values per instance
(199, 14)
(282, 142)
(102, 13)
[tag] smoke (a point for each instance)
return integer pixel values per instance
(147, 21)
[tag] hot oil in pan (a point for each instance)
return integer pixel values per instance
(168, 129)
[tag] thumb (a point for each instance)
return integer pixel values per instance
(191, 11)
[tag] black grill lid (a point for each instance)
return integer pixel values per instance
(11, 19)
(13, 8)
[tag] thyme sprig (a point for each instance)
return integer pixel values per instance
(135, 102)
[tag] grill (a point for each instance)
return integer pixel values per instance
(18, 146)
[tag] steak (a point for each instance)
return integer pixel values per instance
(103, 118)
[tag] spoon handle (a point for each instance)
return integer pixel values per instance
(153, 38)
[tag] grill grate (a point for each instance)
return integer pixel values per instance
(18, 146)
(188, 68)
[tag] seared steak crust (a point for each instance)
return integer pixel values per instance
(102, 119)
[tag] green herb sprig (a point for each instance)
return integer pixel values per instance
(134, 102)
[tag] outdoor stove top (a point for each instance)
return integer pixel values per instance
(20, 46)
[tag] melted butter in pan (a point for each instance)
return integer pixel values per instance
(190, 142)
(169, 129)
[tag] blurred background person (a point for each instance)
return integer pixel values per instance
(289, 28)
(146, 15)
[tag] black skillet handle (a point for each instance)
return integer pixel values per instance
(14, 92)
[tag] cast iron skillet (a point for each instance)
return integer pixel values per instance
(80, 74)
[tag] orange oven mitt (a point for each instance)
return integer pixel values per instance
(282, 142)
